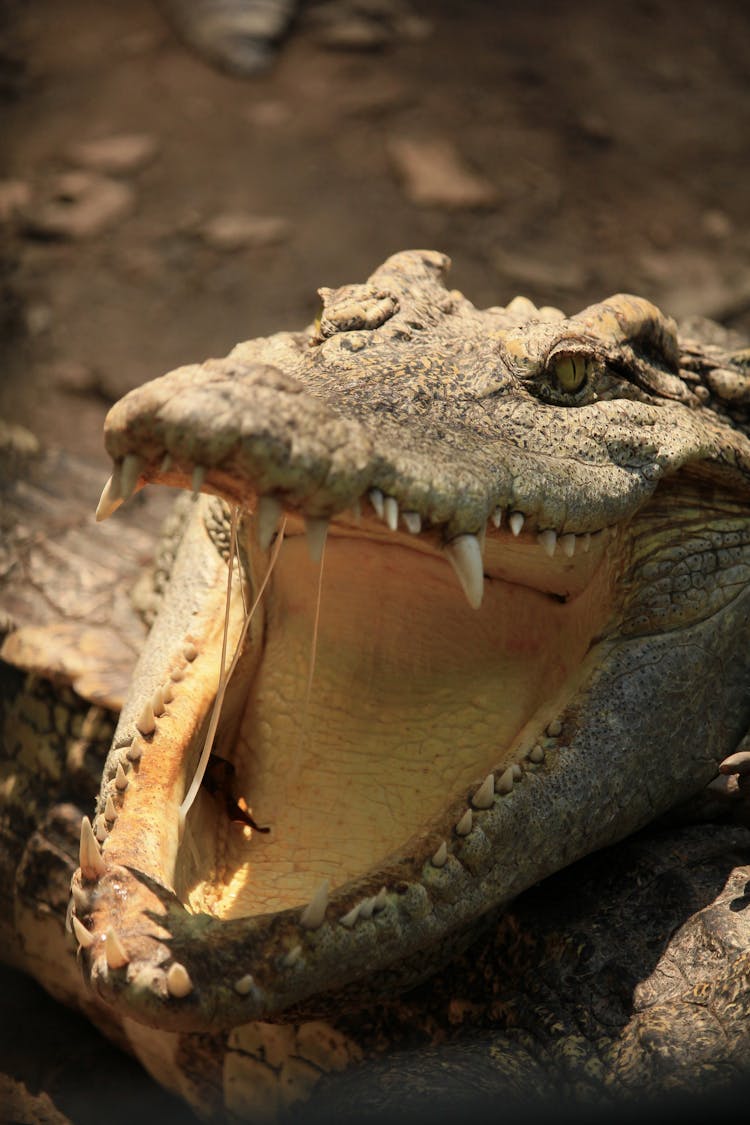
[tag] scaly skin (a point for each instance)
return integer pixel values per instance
(586, 695)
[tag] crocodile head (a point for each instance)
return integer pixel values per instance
(501, 563)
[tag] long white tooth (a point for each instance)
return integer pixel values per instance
(485, 794)
(516, 521)
(413, 522)
(109, 501)
(316, 531)
(548, 540)
(465, 824)
(465, 555)
(135, 750)
(121, 779)
(497, 517)
(81, 899)
(132, 467)
(390, 509)
(114, 951)
(506, 780)
(366, 908)
(100, 829)
(83, 937)
(157, 702)
(351, 916)
(568, 544)
(245, 984)
(267, 516)
(110, 812)
(376, 499)
(178, 981)
(292, 957)
(89, 857)
(440, 857)
(197, 479)
(381, 900)
(586, 542)
(314, 913)
(146, 724)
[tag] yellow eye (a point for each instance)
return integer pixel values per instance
(571, 372)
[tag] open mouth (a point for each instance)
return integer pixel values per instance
(377, 697)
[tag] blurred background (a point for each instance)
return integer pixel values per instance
(155, 210)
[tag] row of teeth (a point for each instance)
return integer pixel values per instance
(177, 978)
(464, 552)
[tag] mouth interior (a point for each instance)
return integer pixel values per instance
(410, 698)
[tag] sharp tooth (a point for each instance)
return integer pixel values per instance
(189, 651)
(390, 509)
(132, 467)
(568, 544)
(157, 702)
(586, 542)
(245, 984)
(465, 824)
(90, 858)
(197, 479)
(121, 779)
(134, 751)
(516, 521)
(83, 937)
(497, 517)
(114, 951)
(166, 463)
(316, 531)
(465, 555)
(485, 795)
(292, 957)
(351, 916)
(440, 857)
(366, 907)
(413, 522)
(505, 782)
(554, 729)
(376, 499)
(109, 501)
(81, 900)
(267, 516)
(381, 900)
(100, 829)
(315, 911)
(146, 724)
(178, 674)
(167, 692)
(179, 983)
(536, 754)
(548, 540)
(110, 812)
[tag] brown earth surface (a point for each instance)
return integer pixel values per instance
(154, 211)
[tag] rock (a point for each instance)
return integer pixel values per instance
(79, 205)
(236, 230)
(435, 175)
(115, 155)
(14, 197)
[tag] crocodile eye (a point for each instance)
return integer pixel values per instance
(571, 372)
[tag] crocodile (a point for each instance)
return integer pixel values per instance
(440, 621)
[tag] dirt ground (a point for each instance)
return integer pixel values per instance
(565, 152)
